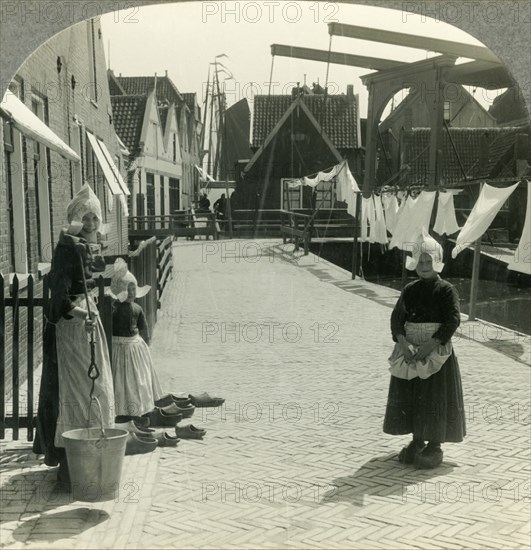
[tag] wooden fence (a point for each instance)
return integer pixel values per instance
(179, 224)
(151, 263)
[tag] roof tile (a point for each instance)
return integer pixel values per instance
(128, 116)
(337, 117)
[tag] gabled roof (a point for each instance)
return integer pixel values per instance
(509, 108)
(468, 143)
(190, 98)
(141, 85)
(128, 117)
(296, 104)
(115, 87)
(412, 98)
(338, 118)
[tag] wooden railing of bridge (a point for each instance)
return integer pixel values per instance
(179, 224)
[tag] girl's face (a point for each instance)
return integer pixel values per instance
(425, 267)
(91, 223)
(131, 292)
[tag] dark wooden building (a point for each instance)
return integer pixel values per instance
(294, 136)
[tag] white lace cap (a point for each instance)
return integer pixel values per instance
(426, 244)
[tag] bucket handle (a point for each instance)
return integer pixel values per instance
(103, 436)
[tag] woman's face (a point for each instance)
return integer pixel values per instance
(91, 223)
(425, 267)
(131, 292)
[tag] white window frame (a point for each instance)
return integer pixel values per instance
(43, 205)
(283, 187)
(18, 239)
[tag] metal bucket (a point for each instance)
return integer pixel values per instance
(95, 462)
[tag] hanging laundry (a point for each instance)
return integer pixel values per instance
(413, 217)
(327, 176)
(347, 188)
(390, 206)
(367, 218)
(292, 184)
(490, 200)
(310, 182)
(403, 218)
(378, 229)
(445, 222)
(522, 256)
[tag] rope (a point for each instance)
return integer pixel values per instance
(465, 177)
(326, 85)
(93, 372)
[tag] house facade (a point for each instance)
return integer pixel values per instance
(461, 110)
(56, 132)
(294, 136)
(160, 128)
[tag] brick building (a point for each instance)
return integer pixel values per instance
(161, 128)
(64, 85)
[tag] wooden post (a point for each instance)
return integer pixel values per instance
(355, 240)
(2, 358)
(16, 356)
(475, 281)
(475, 276)
(29, 380)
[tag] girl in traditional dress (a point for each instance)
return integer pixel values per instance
(425, 394)
(136, 386)
(64, 400)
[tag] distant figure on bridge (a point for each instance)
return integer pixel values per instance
(425, 395)
(204, 203)
(219, 208)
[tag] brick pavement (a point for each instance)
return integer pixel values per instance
(296, 457)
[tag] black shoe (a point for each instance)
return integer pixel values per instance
(407, 454)
(63, 477)
(429, 458)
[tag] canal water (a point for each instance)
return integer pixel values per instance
(505, 301)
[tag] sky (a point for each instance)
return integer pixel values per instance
(185, 38)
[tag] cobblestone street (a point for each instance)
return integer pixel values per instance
(296, 457)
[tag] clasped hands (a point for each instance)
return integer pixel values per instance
(422, 351)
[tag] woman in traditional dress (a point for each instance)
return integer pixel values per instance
(64, 401)
(425, 395)
(136, 386)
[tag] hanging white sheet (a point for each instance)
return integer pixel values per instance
(378, 229)
(347, 188)
(490, 201)
(445, 222)
(522, 256)
(367, 218)
(390, 205)
(412, 218)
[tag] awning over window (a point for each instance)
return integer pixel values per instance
(114, 168)
(33, 127)
(111, 173)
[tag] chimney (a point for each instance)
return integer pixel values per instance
(166, 71)
(350, 90)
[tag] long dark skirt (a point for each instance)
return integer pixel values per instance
(48, 410)
(430, 409)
